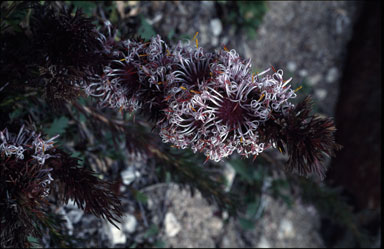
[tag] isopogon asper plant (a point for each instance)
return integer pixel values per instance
(208, 101)
(212, 103)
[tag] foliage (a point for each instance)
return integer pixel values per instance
(246, 15)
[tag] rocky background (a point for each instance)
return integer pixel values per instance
(309, 41)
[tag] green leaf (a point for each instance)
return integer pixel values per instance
(168, 177)
(86, 6)
(252, 209)
(140, 197)
(145, 29)
(246, 224)
(171, 34)
(78, 155)
(34, 242)
(16, 114)
(241, 168)
(159, 244)
(58, 126)
(152, 231)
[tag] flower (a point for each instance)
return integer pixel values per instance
(212, 102)
(218, 105)
(307, 138)
(26, 142)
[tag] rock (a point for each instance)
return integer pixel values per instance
(129, 223)
(65, 217)
(321, 93)
(291, 66)
(216, 26)
(75, 215)
(129, 175)
(286, 229)
(172, 226)
(215, 225)
(263, 243)
(314, 80)
(114, 235)
(332, 75)
(303, 73)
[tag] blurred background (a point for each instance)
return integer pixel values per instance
(330, 48)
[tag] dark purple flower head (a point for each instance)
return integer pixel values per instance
(308, 139)
(226, 108)
(65, 39)
(213, 103)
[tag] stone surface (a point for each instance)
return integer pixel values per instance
(116, 236)
(332, 75)
(129, 223)
(129, 175)
(291, 66)
(321, 94)
(314, 80)
(216, 26)
(172, 226)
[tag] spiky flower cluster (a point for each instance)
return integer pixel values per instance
(26, 141)
(30, 169)
(209, 102)
(29, 144)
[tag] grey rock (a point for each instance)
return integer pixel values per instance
(291, 66)
(263, 243)
(129, 223)
(172, 226)
(321, 94)
(314, 80)
(114, 235)
(129, 175)
(216, 26)
(303, 73)
(286, 229)
(332, 75)
(75, 215)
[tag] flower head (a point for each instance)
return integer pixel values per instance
(212, 102)
(226, 107)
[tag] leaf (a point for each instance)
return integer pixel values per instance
(159, 244)
(86, 6)
(16, 114)
(252, 209)
(145, 29)
(34, 242)
(241, 168)
(153, 230)
(78, 155)
(140, 197)
(171, 34)
(58, 126)
(246, 224)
